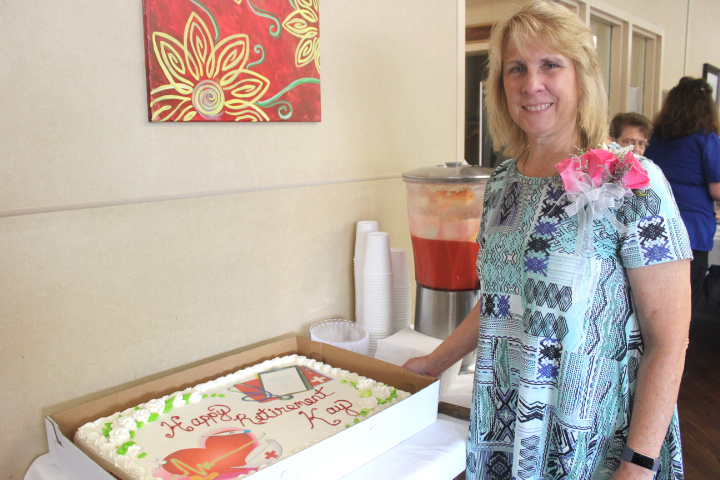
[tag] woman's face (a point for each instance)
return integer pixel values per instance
(632, 135)
(542, 92)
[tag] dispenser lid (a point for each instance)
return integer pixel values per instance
(451, 172)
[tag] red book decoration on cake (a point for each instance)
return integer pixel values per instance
(232, 61)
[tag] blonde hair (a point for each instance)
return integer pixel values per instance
(563, 32)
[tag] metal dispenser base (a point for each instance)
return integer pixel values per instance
(438, 313)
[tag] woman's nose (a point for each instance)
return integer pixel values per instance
(533, 82)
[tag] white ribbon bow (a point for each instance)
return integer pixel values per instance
(594, 203)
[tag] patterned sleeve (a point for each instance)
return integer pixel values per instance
(656, 233)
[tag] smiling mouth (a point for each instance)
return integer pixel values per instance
(537, 108)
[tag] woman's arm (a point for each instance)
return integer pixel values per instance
(662, 296)
(714, 189)
(461, 342)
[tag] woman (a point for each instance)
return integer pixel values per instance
(631, 129)
(686, 147)
(569, 370)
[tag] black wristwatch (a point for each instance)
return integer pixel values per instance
(630, 455)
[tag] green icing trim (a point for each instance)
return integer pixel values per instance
(140, 424)
(132, 433)
(106, 432)
(365, 393)
(124, 447)
(186, 397)
(363, 412)
(168, 405)
(142, 455)
(153, 417)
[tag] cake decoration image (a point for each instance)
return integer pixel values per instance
(222, 455)
(280, 384)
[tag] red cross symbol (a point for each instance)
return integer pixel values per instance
(271, 454)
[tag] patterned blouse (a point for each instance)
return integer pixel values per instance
(545, 407)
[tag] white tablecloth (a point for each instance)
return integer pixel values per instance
(435, 453)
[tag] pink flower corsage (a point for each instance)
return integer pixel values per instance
(597, 181)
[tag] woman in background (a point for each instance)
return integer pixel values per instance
(576, 375)
(686, 146)
(631, 129)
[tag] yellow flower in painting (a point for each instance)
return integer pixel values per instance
(303, 23)
(205, 78)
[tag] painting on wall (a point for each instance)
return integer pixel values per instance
(712, 75)
(232, 60)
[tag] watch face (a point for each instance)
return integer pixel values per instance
(643, 461)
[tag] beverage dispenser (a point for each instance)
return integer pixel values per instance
(444, 208)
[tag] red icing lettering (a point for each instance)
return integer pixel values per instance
(311, 418)
(175, 424)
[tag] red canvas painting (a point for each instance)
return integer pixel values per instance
(233, 60)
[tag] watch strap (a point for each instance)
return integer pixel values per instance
(630, 455)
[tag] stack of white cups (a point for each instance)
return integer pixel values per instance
(363, 228)
(378, 288)
(402, 289)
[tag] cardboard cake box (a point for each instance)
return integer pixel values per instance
(329, 459)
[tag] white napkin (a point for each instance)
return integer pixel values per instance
(406, 344)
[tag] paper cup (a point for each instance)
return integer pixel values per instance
(362, 228)
(377, 254)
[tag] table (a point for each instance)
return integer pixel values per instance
(435, 453)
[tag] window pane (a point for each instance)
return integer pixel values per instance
(637, 73)
(602, 36)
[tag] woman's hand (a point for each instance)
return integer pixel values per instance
(422, 366)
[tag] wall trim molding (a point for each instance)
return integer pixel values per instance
(18, 212)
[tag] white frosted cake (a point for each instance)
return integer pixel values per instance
(233, 426)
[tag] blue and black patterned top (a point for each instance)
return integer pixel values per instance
(542, 409)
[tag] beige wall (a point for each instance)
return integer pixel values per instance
(688, 43)
(130, 249)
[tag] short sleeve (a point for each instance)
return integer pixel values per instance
(656, 232)
(711, 159)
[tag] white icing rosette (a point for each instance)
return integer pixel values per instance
(118, 436)
(365, 383)
(350, 377)
(124, 422)
(109, 450)
(100, 441)
(382, 392)
(178, 401)
(195, 397)
(133, 451)
(155, 406)
(91, 436)
(368, 403)
(141, 415)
